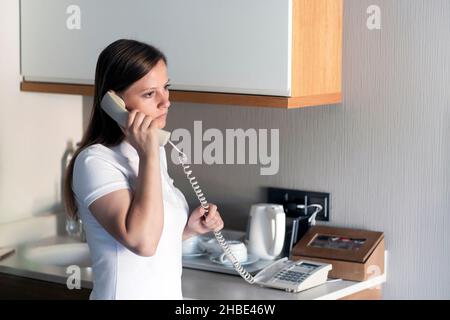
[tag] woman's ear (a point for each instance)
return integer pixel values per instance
(120, 94)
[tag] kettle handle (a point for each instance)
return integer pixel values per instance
(277, 228)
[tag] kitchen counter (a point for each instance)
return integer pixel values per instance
(196, 284)
(17, 264)
(216, 286)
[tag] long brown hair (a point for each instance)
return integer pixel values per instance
(119, 65)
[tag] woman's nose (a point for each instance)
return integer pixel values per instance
(165, 103)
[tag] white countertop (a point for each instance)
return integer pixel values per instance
(216, 286)
(196, 284)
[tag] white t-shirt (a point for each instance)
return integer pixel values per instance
(118, 273)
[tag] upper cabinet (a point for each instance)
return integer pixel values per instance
(273, 53)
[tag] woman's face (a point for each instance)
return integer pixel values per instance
(150, 94)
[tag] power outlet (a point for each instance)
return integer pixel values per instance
(289, 198)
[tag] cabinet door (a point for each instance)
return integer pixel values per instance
(21, 288)
(230, 46)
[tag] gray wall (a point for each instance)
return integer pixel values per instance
(383, 154)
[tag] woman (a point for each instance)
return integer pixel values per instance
(117, 183)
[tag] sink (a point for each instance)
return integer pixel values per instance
(61, 255)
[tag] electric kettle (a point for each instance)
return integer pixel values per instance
(266, 230)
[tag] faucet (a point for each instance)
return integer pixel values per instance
(82, 231)
(74, 227)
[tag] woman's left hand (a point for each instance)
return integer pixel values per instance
(197, 224)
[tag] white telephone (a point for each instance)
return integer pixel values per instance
(292, 276)
(114, 106)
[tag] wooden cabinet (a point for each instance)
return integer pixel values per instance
(14, 287)
(273, 53)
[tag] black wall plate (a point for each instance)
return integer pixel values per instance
(289, 197)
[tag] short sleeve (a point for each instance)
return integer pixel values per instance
(94, 177)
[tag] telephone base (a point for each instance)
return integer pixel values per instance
(293, 276)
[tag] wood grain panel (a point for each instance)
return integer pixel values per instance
(316, 47)
(79, 89)
(198, 97)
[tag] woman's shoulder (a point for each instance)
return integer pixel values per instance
(95, 150)
(97, 168)
(98, 154)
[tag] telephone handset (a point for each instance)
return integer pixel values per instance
(114, 106)
(282, 274)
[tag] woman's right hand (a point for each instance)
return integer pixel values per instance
(142, 133)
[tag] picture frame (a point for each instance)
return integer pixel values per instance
(338, 243)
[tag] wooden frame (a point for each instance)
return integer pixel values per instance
(306, 247)
(317, 47)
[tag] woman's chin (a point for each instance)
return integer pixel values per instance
(161, 124)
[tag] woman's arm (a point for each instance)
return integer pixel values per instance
(145, 219)
(188, 233)
(198, 224)
(135, 221)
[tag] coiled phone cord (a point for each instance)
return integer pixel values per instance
(219, 237)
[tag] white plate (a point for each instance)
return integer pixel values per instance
(250, 259)
(194, 254)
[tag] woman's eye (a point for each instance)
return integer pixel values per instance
(150, 94)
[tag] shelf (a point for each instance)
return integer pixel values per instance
(198, 97)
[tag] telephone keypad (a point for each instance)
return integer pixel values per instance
(291, 276)
(294, 276)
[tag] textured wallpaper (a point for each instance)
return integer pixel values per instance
(383, 154)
